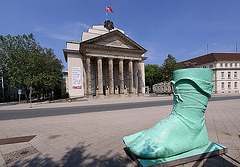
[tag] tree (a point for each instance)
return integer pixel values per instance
(49, 70)
(169, 65)
(153, 74)
(25, 63)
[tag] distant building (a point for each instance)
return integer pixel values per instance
(7, 93)
(10, 93)
(162, 88)
(104, 63)
(226, 70)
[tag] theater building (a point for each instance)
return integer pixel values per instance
(104, 63)
(226, 70)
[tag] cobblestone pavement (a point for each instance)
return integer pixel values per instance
(95, 139)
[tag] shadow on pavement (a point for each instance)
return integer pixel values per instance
(76, 157)
(216, 161)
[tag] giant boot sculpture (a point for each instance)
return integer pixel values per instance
(185, 128)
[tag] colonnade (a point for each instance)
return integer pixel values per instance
(112, 73)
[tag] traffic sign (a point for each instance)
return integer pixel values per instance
(19, 91)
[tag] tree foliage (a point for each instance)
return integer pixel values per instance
(155, 74)
(25, 63)
(169, 65)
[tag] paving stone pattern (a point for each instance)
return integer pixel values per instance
(95, 139)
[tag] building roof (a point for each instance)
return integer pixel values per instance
(115, 33)
(92, 43)
(213, 57)
(74, 41)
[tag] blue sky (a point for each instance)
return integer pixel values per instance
(182, 28)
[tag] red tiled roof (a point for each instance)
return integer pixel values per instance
(212, 57)
(227, 56)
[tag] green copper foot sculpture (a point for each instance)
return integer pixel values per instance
(185, 128)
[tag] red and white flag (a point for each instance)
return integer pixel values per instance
(109, 9)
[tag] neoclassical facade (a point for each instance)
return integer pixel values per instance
(104, 63)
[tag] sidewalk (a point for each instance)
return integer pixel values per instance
(95, 139)
(85, 102)
(94, 101)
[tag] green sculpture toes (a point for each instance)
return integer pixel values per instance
(169, 137)
(185, 128)
(128, 139)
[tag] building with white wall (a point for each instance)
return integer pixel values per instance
(104, 63)
(226, 70)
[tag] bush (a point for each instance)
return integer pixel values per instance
(65, 95)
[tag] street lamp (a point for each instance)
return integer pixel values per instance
(2, 85)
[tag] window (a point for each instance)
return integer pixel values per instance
(229, 75)
(222, 74)
(221, 64)
(204, 66)
(229, 85)
(231, 64)
(226, 64)
(236, 64)
(211, 66)
(235, 85)
(193, 65)
(235, 75)
(222, 85)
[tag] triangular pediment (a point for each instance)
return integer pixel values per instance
(116, 42)
(114, 39)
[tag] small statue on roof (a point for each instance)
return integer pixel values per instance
(108, 25)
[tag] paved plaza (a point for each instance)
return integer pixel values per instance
(95, 138)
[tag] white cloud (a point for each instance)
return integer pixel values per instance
(66, 31)
(150, 52)
(155, 55)
(221, 47)
(198, 52)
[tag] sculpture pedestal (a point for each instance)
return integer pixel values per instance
(212, 149)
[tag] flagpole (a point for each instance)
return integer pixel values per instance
(207, 48)
(236, 47)
(106, 12)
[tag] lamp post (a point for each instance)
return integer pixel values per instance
(30, 96)
(2, 85)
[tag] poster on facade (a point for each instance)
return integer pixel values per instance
(76, 78)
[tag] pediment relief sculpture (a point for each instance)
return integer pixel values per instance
(115, 43)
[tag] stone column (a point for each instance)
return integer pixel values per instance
(130, 69)
(121, 77)
(100, 80)
(139, 77)
(134, 77)
(125, 75)
(88, 75)
(111, 82)
(116, 77)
